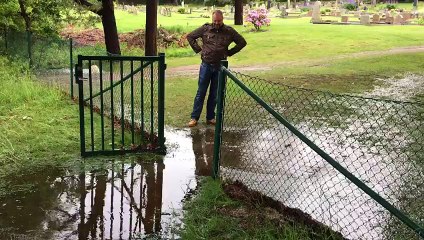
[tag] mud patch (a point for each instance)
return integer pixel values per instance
(275, 211)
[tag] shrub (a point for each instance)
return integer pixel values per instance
(181, 10)
(327, 10)
(304, 9)
(258, 18)
(322, 12)
(350, 7)
(390, 6)
(421, 21)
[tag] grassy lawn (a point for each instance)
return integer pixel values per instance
(352, 76)
(287, 39)
(39, 129)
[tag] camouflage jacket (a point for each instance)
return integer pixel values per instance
(215, 42)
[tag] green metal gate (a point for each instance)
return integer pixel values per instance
(121, 102)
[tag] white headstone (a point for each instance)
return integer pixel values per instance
(376, 18)
(316, 12)
(365, 19)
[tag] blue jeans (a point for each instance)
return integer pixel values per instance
(208, 75)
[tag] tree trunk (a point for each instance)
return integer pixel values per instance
(268, 5)
(25, 15)
(238, 12)
(107, 14)
(151, 28)
(109, 28)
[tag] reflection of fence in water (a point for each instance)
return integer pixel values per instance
(123, 203)
(380, 142)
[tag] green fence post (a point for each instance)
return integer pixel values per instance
(79, 80)
(5, 39)
(71, 68)
(219, 120)
(29, 41)
(161, 102)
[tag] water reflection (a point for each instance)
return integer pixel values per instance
(203, 140)
(116, 199)
(121, 203)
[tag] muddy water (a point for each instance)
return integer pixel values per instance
(276, 163)
(129, 199)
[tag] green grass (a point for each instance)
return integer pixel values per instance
(351, 76)
(39, 130)
(213, 215)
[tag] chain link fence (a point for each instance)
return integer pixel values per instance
(51, 57)
(380, 142)
(41, 52)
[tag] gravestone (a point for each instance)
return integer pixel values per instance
(345, 19)
(375, 18)
(182, 3)
(283, 12)
(316, 12)
(365, 19)
(406, 16)
(338, 14)
(398, 20)
(389, 20)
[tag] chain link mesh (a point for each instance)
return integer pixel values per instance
(47, 52)
(134, 104)
(380, 142)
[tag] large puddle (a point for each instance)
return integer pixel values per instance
(137, 198)
(143, 199)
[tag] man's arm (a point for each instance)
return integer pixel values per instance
(192, 39)
(240, 43)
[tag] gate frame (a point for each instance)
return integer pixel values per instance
(78, 76)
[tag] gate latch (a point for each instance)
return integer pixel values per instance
(79, 78)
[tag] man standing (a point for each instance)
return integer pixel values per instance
(216, 38)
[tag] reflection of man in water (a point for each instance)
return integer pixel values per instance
(203, 140)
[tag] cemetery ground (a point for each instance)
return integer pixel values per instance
(40, 143)
(39, 125)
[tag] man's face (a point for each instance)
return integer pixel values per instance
(217, 20)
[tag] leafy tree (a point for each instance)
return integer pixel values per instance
(42, 16)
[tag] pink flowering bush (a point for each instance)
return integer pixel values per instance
(258, 18)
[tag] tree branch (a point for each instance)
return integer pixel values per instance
(90, 6)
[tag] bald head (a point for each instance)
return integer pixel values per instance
(217, 19)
